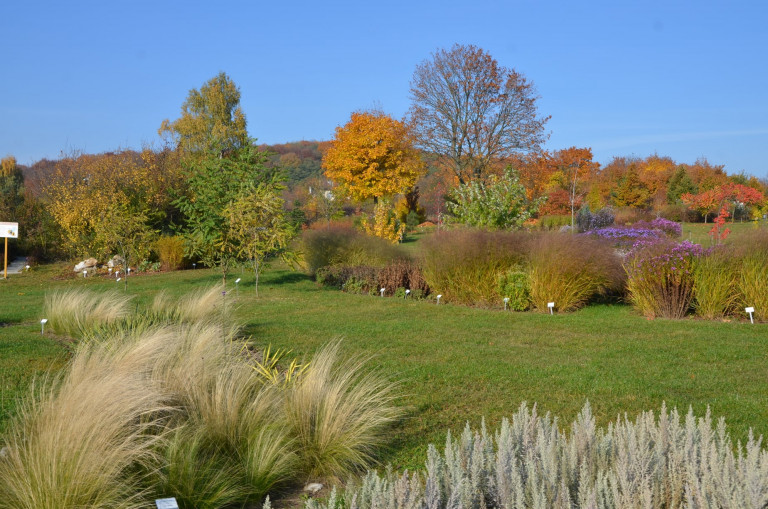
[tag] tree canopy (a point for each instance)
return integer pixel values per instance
(472, 112)
(211, 119)
(373, 156)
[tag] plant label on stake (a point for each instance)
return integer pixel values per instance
(551, 306)
(407, 293)
(506, 303)
(750, 310)
(8, 231)
(42, 325)
(166, 503)
(438, 298)
(382, 291)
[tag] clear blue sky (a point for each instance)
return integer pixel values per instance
(683, 79)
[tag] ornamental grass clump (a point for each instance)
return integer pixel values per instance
(664, 461)
(716, 277)
(660, 278)
(752, 253)
(463, 265)
(178, 408)
(338, 415)
(569, 270)
(343, 245)
(75, 312)
(83, 438)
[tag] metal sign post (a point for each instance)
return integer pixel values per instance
(8, 230)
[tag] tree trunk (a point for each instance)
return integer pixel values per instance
(256, 276)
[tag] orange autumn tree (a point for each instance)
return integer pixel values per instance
(372, 156)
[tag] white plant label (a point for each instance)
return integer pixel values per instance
(749, 310)
(166, 503)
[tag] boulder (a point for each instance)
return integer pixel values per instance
(313, 488)
(88, 263)
(116, 261)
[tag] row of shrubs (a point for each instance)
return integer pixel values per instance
(471, 267)
(167, 402)
(644, 264)
(664, 461)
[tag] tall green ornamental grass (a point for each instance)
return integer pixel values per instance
(343, 245)
(667, 461)
(661, 278)
(716, 276)
(177, 409)
(752, 253)
(569, 270)
(464, 265)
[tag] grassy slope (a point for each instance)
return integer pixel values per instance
(455, 363)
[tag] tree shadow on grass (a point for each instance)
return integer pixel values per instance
(286, 278)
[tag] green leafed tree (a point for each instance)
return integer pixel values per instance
(211, 119)
(499, 203)
(213, 184)
(257, 227)
(679, 184)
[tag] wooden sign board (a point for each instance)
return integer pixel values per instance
(9, 230)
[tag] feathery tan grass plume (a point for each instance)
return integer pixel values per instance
(73, 312)
(339, 412)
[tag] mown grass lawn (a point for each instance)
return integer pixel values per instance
(455, 364)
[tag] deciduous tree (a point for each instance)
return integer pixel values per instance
(472, 112)
(213, 183)
(372, 156)
(211, 119)
(256, 226)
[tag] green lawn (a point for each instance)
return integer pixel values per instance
(698, 233)
(454, 363)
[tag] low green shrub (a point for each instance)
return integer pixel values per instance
(515, 285)
(665, 461)
(569, 270)
(350, 278)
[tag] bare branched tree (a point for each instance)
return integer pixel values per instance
(470, 111)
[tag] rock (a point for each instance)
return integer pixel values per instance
(116, 261)
(313, 488)
(88, 263)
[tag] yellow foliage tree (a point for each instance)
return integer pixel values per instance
(103, 205)
(385, 223)
(372, 156)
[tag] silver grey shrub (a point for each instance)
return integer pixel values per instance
(667, 461)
